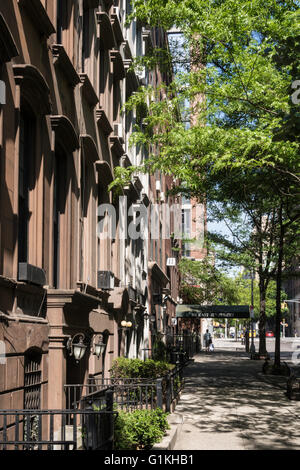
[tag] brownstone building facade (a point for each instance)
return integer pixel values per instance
(65, 67)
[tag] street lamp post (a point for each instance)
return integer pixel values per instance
(252, 347)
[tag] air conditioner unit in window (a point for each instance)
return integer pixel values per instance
(158, 186)
(31, 274)
(106, 280)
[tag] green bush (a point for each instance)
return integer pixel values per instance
(136, 368)
(140, 429)
(159, 351)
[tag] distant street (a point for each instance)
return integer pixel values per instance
(288, 346)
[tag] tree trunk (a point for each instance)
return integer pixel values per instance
(262, 298)
(278, 290)
(262, 318)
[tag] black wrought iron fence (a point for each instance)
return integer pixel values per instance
(48, 429)
(78, 393)
(182, 347)
(129, 393)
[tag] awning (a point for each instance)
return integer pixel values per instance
(212, 311)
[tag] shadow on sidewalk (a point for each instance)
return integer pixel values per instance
(224, 394)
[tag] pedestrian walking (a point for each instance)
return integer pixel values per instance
(207, 340)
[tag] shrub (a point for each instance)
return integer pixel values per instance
(136, 368)
(159, 351)
(140, 429)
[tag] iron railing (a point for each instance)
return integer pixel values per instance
(48, 429)
(182, 347)
(89, 423)
(129, 393)
(79, 394)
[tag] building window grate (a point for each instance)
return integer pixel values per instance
(32, 383)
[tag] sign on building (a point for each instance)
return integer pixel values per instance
(212, 311)
(171, 262)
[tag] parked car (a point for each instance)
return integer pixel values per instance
(270, 334)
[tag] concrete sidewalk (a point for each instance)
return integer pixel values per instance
(228, 405)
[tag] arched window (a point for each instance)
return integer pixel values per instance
(58, 208)
(32, 379)
(26, 172)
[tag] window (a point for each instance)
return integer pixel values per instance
(139, 43)
(59, 21)
(102, 71)
(26, 166)
(186, 224)
(85, 37)
(32, 380)
(128, 7)
(59, 175)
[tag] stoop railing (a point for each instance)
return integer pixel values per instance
(48, 429)
(129, 394)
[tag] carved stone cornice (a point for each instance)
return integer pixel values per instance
(89, 147)
(107, 38)
(34, 87)
(103, 121)
(137, 183)
(116, 143)
(117, 28)
(157, 273)
(58, 341)
(59, 298)
(39, 16)
(8, 48)
(61, 59)
(105, 176)
(145, 199)
(65, 132)
(118, 64)
(88, 90)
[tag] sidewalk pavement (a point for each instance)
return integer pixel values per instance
(228, 404)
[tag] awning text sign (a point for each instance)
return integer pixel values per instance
(212, 311)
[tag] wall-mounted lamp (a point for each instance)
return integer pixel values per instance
(146, 316)
(99, 347)
(126, 324)
(77, 349)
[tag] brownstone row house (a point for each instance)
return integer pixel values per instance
(64, 67)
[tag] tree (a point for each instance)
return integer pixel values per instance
(235, 85)
(203, 283)
(242, 286)
(259, 244)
